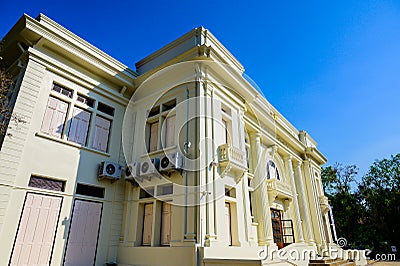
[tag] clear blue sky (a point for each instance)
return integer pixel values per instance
(331, 67)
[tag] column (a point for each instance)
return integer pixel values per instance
(304, 213)
(314, 201)
(263, 213)
(297, 220)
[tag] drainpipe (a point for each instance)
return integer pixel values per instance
(186, 150)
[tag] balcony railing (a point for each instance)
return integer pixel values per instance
(231, 159)
(277, 188)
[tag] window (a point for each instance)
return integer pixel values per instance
(65, 105)
(230, 192)
(105, 109)
(54, 117)
(47, 183)
(167, 189)
(79, 126)
(62, 90)
(91, 191)
(160, 130)
(166, 223)
(272, 170)
(146, 193)
(101, 134)
(85, 100)
(169, 105)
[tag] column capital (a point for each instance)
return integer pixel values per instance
(298, 163)
(272, 150)
(288, 158)
(255, 135)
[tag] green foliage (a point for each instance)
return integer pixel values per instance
(380, 189)
(338, 178)
(370, 214)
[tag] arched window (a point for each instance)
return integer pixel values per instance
(272, 170)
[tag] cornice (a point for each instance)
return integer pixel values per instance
(64, 70)
(47, 33)
(200, 37)
(69, 37)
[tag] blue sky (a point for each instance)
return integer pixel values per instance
(331, 68)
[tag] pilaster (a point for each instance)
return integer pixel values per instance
(263, 214)
(304, 212)
(296, 213)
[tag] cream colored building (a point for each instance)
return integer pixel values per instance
(239, 177)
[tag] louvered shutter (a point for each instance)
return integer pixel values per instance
(54, 117)
(101, 134)
(166, 224)
(170, 131)
(79, 126)
(228, 222)
(153, 137)
(147, 224)
(225, 132)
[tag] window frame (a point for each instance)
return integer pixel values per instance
(72, 103)
(160, 114)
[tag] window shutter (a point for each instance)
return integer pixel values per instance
(225, 133)
(153, 137)
(170, 131)
(79, 126)
(228, 222)
(147, 224)
(166, 224)
(101, 134)
(54, 117)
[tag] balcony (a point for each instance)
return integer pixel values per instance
(277, 189)
(231, 160)
(324, 203)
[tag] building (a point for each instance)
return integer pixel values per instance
(180, 162)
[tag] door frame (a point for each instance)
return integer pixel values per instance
(70, 224)
(20, 219)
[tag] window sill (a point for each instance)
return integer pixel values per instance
(70, 143)
(160, 151)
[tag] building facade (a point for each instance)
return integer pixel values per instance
(180, 162)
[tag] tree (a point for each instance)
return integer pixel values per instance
(6, 104)
(337, 181)
(380, 189)
(338, 178)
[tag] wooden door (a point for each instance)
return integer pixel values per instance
(83, 233)
(147, 224)
(277, 228)
(36, 231)
(166, 224)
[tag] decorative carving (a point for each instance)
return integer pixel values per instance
(324, 203)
